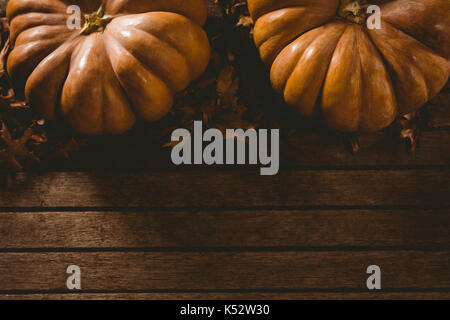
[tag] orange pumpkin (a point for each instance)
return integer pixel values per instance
(325, 60)
(126, 61)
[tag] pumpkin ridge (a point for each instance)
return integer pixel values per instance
(362, 106)
(106, 54)
(319, 38)
(338, 101)
(319, 99)
(177, 46)
(280, 5)
(288, 73)
(193, 10)
(366, 123)
(261, 43)
(134, 108)
(416, 66)
(412, 37)
(413, 69)
(16, 8)
(16, 66)
(106, 40)
(111, 37)
(29, 91)
(99, 114)
(177, 50)
(427, 16)
(32, 20)
(54, 34)
(386, 66)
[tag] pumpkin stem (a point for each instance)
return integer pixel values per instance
(354, 10)
(96, 22)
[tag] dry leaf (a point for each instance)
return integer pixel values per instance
(13, 149)
(245, 21)
(227, 87)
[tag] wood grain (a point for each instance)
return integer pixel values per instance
(236, 296)
(228, 189)
(217, 271)
(222, 229)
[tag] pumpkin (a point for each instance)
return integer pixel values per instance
(125, 62)
(328, 61)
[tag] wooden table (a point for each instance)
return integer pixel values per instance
(141, 228)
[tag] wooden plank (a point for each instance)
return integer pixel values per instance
(215, 229)
(302, 149)
(236, 296)
(227, 189)
(217, 271)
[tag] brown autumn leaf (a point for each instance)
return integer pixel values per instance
(351, 141)
(245, 21)
(65, 149)
(410, 129)
(13, 149)
(227, 87)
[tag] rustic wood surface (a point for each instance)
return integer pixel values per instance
(183, 233)
(141, 228)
